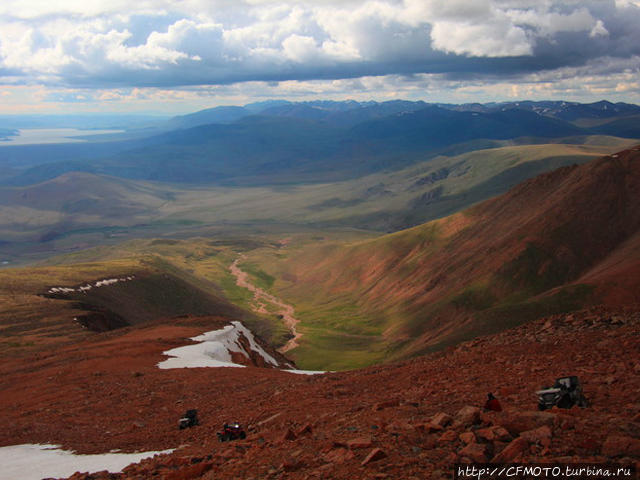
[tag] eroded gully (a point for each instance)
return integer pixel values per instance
(261, 298)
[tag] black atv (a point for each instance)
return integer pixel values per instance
(565, 393)
(231, 431)
(190, 419)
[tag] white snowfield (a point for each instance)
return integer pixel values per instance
(306, 372)
(88, 286)
(214, 347)
(35, 462)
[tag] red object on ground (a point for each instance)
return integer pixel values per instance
(493, 404)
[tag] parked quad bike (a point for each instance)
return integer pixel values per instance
(565, 393)
(231, 431)
(190, 419)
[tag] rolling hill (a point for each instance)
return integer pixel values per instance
(159, 281)
(78, 210)
(551, 244)
(73, 201)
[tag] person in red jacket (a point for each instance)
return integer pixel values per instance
(492, 403)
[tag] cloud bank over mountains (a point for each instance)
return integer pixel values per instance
(113, 44)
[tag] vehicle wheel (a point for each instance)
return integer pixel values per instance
(243, 435)
(565, 402)
(541, 406)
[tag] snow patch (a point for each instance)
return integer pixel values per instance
(61, 290)
(88, 286)
(305, 372)
(213, 349)
(34, 462)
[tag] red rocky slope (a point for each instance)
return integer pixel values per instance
(410, 420)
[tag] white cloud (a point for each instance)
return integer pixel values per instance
(449, 10)
(497, 40)
(599, 30)
(23, 47)
(300, 48)
(111, 44)
(627, 3)
(168, 47)
(551, 22)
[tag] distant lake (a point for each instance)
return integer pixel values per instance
(35, 136)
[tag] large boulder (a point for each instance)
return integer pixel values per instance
(441, 419)
(496, 432)
(517, 422)
(540, 436)
(360, 442)
(476, 452)
(339, 455)
(448, 436)
(512, 452)
(375, 455)
(467, 415)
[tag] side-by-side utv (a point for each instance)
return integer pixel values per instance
(565, 393)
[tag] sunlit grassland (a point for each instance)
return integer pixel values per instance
(337, 333)
(202, 262)
(389, 191)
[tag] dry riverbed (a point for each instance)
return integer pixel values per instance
(262, 299)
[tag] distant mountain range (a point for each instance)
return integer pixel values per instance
(350, 113)
(287, 143)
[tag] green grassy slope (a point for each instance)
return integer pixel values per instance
(168, 278)
(362, 300)
(499, 263)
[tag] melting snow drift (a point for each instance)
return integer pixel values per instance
(214, 347)
(34, 462)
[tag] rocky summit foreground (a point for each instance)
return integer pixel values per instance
(411, 420)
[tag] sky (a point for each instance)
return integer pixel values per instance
(177, 56)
